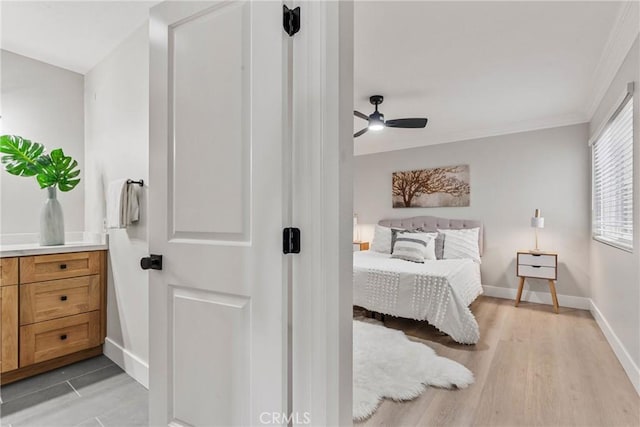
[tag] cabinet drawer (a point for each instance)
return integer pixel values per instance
(539, 260)
(54, 338)
(58, 298)
(60, 266)
(8, 271)
(537, 272)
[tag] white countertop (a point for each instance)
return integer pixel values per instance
(13, 245)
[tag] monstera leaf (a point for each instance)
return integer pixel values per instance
(21, 156)
(56, 168)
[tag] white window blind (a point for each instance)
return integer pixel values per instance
(613, 180)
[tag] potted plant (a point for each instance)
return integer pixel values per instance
(52, 171)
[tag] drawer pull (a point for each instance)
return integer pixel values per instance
(535, 266)
(63, 298)
(63, 266)
(63, 337)
(536, 254)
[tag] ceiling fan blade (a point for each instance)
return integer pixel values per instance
(361, 132)
(406, 123)
(360, 115)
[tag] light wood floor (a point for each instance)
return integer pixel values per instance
(532, 368)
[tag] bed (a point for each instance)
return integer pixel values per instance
(438, 291)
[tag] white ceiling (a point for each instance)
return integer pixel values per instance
(476, 69)
(75, 35)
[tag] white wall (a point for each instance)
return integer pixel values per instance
(45, 104)
(511, 176)
(615, 274)
(116, 146)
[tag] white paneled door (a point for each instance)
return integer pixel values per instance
(217, 199)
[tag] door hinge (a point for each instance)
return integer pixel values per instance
(291, 240)
(291, 20)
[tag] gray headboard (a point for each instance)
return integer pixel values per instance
(432, 223)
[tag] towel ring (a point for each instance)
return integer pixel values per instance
(140, 183)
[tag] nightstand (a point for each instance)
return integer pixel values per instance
(538, 265)
(360, 246)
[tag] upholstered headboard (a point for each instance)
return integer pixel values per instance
(432, 223)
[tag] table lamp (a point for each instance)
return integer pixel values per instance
(356, 235)
(537, 222)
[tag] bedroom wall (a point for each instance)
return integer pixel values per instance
(615, 274)
(117, 146)
(45, 104)
(511, 176)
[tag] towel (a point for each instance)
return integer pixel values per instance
(123, 208)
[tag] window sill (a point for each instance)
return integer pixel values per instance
(614, 244)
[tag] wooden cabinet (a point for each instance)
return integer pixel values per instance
(53, 313)
(9, 328)
(8, 271)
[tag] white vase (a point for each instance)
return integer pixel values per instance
(51, 221)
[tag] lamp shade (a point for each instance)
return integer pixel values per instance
(537, 222)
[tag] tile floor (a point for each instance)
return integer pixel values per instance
(94, 392)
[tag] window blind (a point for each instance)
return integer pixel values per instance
(613, 180)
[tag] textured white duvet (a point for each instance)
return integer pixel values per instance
(437, 291)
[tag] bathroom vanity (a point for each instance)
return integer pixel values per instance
(52, 306)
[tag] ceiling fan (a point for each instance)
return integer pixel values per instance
(377, 122)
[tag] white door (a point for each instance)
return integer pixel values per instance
(218, 308)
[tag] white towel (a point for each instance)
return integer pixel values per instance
(122, 204)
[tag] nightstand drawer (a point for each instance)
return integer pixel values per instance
(60, 266)
(59, 298)
(540, 260)
(360, 246)
(537, 272)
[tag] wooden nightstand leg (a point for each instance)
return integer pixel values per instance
(552, 287)
(520, 291)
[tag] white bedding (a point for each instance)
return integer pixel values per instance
(437, 291)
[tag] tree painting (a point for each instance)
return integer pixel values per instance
(428, 188)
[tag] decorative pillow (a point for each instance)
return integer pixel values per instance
(461, 244)
(412, 246)
(430, 253)
(440, 246)
(439, 242)
(383, 239)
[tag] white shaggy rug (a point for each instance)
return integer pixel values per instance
(387, 364)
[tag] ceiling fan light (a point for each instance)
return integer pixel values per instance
(376, 121)
(376, 126)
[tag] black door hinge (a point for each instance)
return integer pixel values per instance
(291, 240)
(291, 20)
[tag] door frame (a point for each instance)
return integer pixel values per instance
(322, 140)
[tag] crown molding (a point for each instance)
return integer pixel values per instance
(365, 146)
(623, 34)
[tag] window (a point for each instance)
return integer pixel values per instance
(613, 180)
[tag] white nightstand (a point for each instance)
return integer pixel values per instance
(538, 265)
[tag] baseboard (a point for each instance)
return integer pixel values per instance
(538, 297)
(631, 369)
(135, 367)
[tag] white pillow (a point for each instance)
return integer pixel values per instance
(413, 246)
(431, 245)
(461, 244)
(381, 240)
